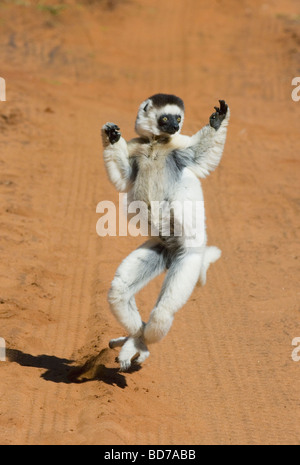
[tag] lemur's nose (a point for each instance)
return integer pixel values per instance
(175, 127)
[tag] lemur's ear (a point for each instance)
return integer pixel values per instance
(147, 105)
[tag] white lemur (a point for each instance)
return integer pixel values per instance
(160, 165)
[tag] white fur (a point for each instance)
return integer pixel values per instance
(116, 162)
(204, 151)
(133, 348)
(211, 255)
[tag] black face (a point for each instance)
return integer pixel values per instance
(169, 123)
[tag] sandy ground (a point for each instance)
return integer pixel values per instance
(224, 374)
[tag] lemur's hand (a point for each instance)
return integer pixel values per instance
(219, 115)
(112, 132)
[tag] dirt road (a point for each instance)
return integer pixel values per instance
(224, 374)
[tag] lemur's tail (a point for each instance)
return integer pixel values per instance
(211, 255)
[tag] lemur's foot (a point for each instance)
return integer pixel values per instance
(219, 115)
(118, 342)
(112, 131)
(133, 350)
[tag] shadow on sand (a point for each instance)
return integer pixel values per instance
(62, 370)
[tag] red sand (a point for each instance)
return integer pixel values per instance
(224, 374)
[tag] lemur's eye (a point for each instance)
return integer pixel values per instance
(179, 119)
(165, 119)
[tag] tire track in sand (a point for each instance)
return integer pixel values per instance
(43, 415)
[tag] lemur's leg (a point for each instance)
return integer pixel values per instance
(133, 274)
(132, 346)
(177, 288)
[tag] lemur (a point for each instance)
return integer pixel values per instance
(160, 165)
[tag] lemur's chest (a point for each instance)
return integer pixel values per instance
(152, 151)
(153, 180)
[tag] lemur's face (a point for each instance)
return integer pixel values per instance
(169, 123)
(160, 115)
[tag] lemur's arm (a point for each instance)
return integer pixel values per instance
(205, 148)
(116, 157)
